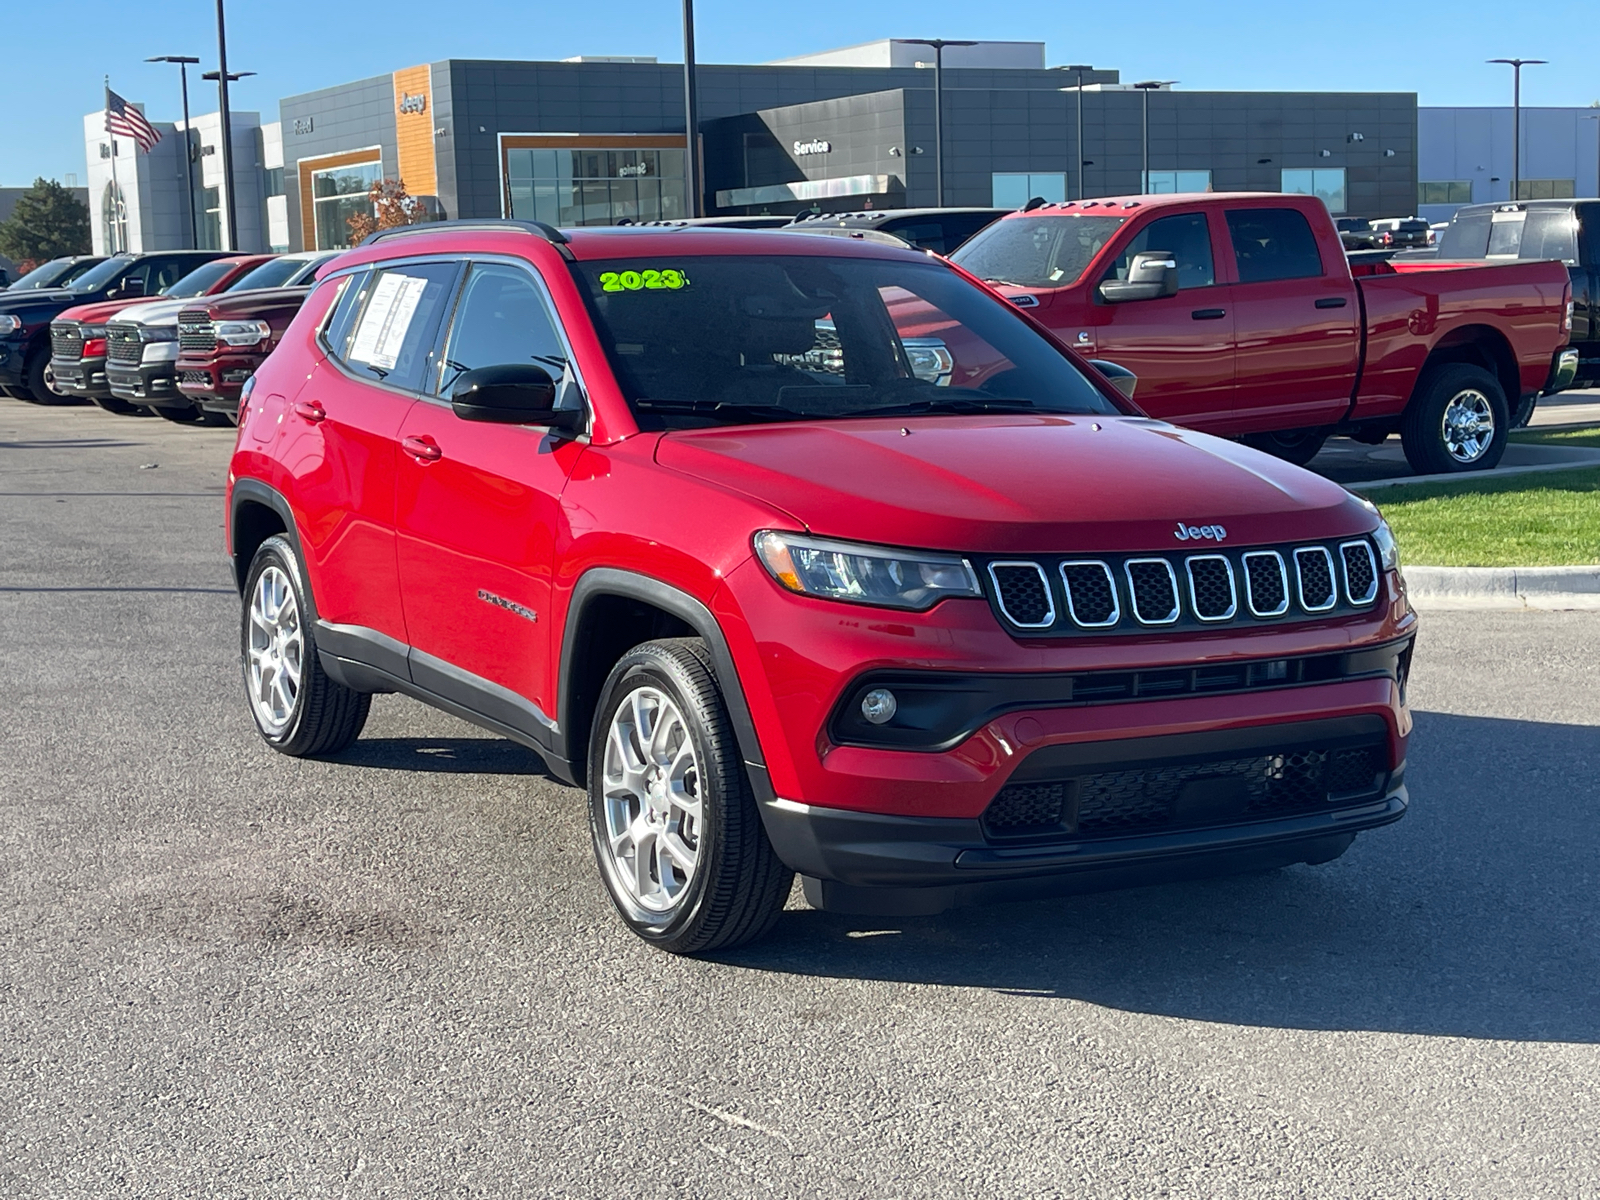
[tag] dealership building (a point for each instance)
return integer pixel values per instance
(602, 140)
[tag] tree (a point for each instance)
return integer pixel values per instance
(48, 222)
(393, 205)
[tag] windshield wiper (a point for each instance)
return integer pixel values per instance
(947, 404)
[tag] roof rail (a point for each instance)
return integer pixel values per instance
(501, 225)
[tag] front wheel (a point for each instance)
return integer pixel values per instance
(1457, 421)
(41, 381)
(677, 835)
(1298, 446)
(297, 708)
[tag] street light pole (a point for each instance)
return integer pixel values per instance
(188, 148)
(222, 79)
(691, 112)
(1079, 69)
(1516, 65)
(938, 45)
(1147, 86)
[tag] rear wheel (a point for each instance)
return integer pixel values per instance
(1298, 446)
(1457, 421)
(676, 832)
(297, 708)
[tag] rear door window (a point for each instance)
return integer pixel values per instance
(1187, 237)
(1466, 237)
(1273, 243)
(391, 337)
(1550, 233)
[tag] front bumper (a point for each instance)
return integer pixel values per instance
(154, 384)
(84, 377)
(1138, 810)
(215, 383)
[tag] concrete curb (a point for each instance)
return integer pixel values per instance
(1504, 587)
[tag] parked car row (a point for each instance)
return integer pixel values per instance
(107, 329)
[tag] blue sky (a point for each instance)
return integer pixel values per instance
(55, 54)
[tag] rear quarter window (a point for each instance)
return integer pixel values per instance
(1466, 237)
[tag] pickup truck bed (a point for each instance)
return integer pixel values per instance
(1241, 316)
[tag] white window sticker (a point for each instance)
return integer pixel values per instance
(383, 326)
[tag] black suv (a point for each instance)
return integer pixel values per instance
(25, 315)
(1566, 230)
(938, 229)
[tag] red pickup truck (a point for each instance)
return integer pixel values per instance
(1240, 315)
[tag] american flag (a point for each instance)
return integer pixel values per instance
(124, 118)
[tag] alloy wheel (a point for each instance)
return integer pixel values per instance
(652, 800)
(1468, 426)
(276, 651)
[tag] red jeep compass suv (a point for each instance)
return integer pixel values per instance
(809, 555)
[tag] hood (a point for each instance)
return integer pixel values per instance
(1017, 484)
(160, 312)
(249, 304)
(101, 311)
(11, 302)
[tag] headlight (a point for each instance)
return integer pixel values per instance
(1383, 538)
(243, 333)
(158, 333)
(930, 360)
(860, 574)
(9, 323)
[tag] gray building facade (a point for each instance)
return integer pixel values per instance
(598, 141)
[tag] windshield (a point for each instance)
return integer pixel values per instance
(200, 281)
(1037, 251)
(98, 276)
(274, 274)
(702, 341)
(58, 272)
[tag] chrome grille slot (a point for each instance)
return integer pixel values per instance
(1022, 590)
(195, 330)
(1091, 593)
(1360, 573)
(1152, 590)
(1313, 567)
(1266, 583)
(1211, 589)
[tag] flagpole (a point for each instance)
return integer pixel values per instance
(113, 235)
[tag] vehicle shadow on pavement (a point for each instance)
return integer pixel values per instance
(453, 756)
(1478, 915)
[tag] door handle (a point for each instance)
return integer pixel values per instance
(1331, 302)
(423, 449)
(310, 410)
(1209, 314)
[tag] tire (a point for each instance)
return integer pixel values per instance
(1443, 430)
(725, 886)
(321, 716)
(1298, 446)
(121, 407)
(38, 389)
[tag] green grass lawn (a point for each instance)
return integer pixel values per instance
(1550, 519)
(1588, 437)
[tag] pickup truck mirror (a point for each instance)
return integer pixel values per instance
(1116, 375)
(511, 394)
(1151, 275)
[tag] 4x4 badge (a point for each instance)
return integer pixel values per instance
(1214, 533)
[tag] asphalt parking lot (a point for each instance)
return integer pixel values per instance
(223, 972)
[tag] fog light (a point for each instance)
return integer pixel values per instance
(878, 706)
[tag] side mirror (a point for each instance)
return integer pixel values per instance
(1116, 375)
(511, 394)
(130, 287)
(1151, 275)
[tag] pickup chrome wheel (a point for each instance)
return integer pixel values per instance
(276, 650)
(652, 800)
(1457, 420)
(1468, 426)
(298, 708)
(677, 836)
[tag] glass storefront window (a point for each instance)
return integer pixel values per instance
(1168, 183)
(595, 187)
(1325, 183)
(337, 194)
(1013, 190)
(1444, 191)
